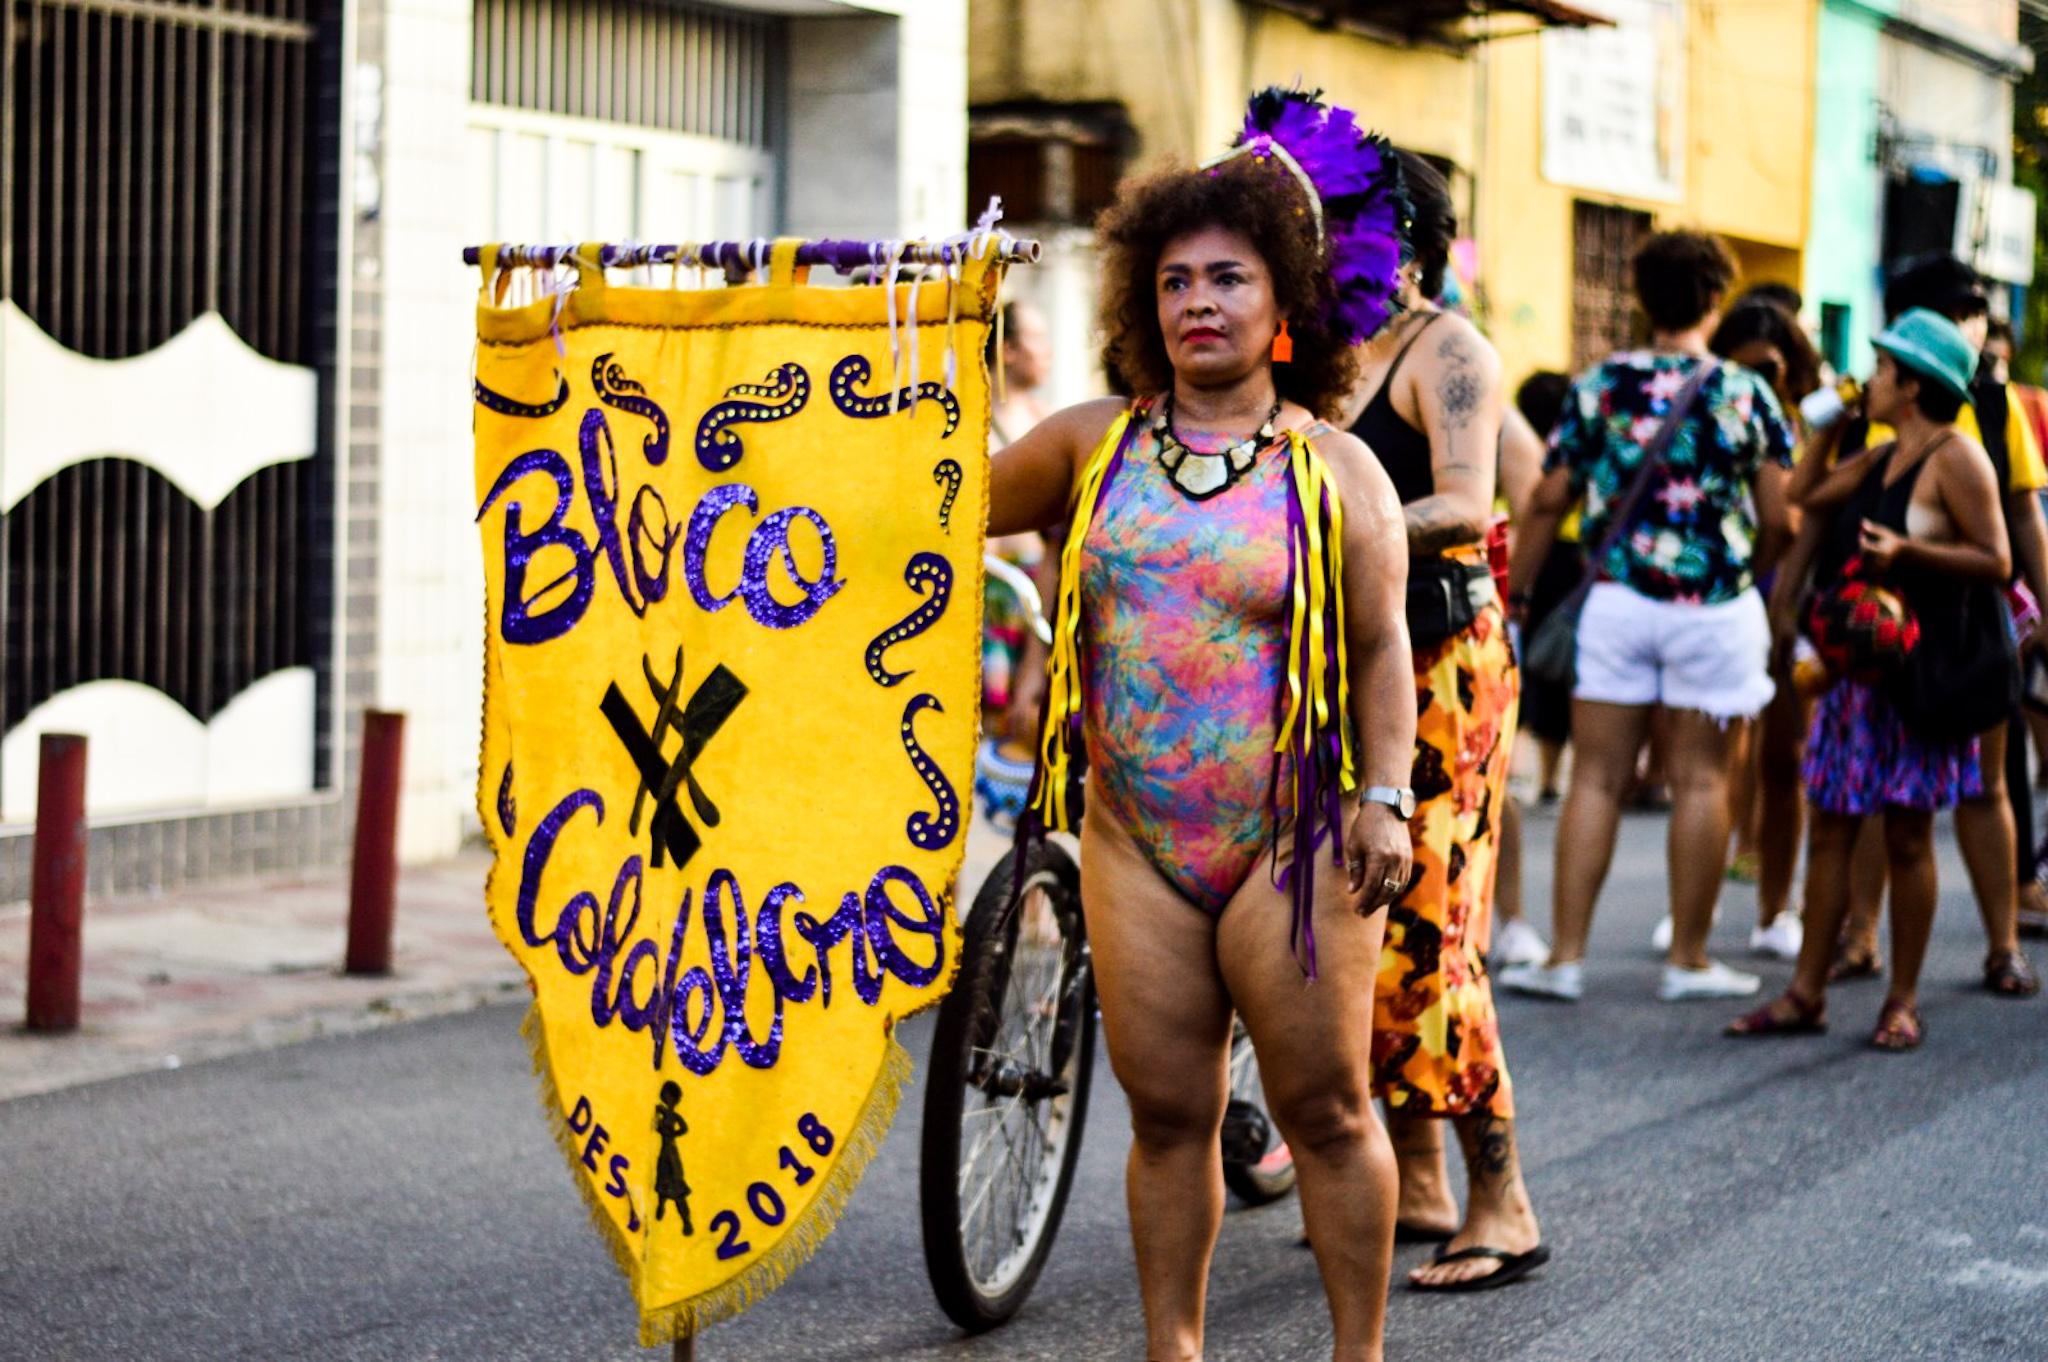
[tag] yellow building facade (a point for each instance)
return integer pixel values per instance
(1732, 86)
(1744, 94)
(1183, 69)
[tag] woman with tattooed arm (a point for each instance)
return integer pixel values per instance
(1428, 404)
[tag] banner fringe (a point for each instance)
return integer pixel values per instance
(565, 1140)
(686, 1319)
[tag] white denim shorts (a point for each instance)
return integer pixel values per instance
(1712, 658)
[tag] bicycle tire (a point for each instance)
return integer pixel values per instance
(1266, 1172)
(973, 1300)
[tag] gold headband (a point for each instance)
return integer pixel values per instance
(1266, 146)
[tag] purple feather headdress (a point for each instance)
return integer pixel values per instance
(1353, 184)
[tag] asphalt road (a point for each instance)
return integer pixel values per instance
(395, 1195)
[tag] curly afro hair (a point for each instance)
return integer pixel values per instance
(1251, 195)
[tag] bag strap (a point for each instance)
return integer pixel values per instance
(1653, 454)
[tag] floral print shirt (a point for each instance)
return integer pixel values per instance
(1695, 530)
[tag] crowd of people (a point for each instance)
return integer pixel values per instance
(1312, 568)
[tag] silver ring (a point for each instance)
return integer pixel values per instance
(1390, 883)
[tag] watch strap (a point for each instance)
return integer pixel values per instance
(1393, 796)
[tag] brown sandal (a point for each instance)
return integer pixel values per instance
(1849, 966)
(1898, 1027)
(2007, 974)
(1806, 1019)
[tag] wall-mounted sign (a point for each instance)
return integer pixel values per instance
(1614, 102)
(1996, 232)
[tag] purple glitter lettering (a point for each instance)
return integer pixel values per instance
(883, 916)
(697, 540)
(771, 537)
(518, 621)
(653, 582)
(637, 1016)
(689, 1039)
(823, 936)
(768, 944)
(603, 493)
(733, 972)
(538, 848)
(603, 1003)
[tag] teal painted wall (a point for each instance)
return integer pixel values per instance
(1842, 249)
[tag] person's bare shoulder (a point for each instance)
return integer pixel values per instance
(1455, 343)
(1356, 469)
(1964, 464)
(1083, 425)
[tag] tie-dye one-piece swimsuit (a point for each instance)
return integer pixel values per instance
(1185, 607)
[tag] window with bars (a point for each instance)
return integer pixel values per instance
(162, 160)
(674, 67)
(1605, 317)
(156, 155)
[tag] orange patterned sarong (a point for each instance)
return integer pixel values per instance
(1436, 1042)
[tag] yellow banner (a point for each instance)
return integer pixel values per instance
(732, 554)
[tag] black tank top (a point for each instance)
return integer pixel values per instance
(1402, 449)
(1886, 506)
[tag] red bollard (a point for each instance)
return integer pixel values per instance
(57, 884)
(373, 880)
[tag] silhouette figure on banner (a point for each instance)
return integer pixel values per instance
(668, 1167)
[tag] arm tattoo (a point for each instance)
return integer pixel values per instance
(1435, 524)
(1458, 388)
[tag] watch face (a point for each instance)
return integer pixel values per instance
(1407, 803)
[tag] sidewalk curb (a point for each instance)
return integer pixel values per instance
(84, 1057)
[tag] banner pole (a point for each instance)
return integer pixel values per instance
(685, 1349)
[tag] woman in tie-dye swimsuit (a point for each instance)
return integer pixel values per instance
(1229, 668)
(1184, 658)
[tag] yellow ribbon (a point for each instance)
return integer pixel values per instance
(1317, 563)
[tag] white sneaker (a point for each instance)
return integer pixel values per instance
(1715, 981)
(1561, 982)
(1781, 939)
(1517, 943)
(1660, 935)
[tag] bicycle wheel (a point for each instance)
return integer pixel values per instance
(1257, 1164)
(1012, 1054)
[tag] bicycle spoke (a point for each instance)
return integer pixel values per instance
(1014, 1125)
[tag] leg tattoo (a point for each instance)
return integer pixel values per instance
(1489, 1145)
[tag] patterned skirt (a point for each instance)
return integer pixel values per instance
(1436, 1042)
(1860, 757)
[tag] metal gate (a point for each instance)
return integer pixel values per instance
(158, 247)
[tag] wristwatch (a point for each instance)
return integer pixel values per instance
(1399, 798)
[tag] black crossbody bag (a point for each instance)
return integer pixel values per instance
(1553, 652)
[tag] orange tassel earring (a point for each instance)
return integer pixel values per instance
(1283, 346)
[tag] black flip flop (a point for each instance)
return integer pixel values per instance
(1513, 1267)
(1404, 1233)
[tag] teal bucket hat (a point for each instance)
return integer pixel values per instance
(1932, 345)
